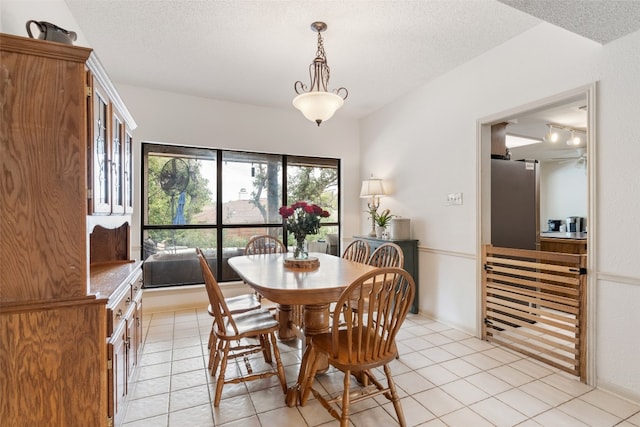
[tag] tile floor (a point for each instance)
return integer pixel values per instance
(445, 378)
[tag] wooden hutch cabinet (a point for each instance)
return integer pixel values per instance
(70, 296)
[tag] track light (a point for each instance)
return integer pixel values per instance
(551, 136)
(574, 139)
(576, 135)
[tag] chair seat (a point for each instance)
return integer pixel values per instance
(249, 324)
(360, 361)
(242, 303)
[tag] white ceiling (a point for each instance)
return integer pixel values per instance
(252, 51)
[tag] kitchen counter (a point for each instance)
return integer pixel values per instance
(563, 235)
(571, 243)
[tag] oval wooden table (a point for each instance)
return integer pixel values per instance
(315, 289)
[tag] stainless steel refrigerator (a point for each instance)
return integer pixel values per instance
(515, 217)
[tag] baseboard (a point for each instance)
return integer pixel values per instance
(176, 298)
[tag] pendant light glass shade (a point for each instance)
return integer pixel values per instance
(318, 106)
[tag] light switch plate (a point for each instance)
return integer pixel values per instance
(453, 199)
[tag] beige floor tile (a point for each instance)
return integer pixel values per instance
(488, 383)
(437, 374)
(141, 389)
(282, 417)
(464, 391)
(268, 399)
(197, 416)
(545, 392)
(498, 413)
(415, 360)
(375, 417)
(566, 384)
(460, 367)
(438, 402)
(147, 407)
(189, 397)
(612, 404)
(414, 413)
(465, 417)
(555, 417)
(457, 349)
(234, 408)
(315, 414)
(523, 402)
(252, 421)
(511, 375)
(188, 379)
(153, 371)
(482, 361)
(589, 414)
(412, 383)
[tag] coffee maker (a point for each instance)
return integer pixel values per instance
(574, 224)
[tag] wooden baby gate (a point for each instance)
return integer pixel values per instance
(534, 302)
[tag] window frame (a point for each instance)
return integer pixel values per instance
(220, 227)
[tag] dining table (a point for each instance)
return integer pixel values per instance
(312, 288)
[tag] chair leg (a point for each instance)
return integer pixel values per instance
(279, 366)
(266, 350)
(310, 375)
(223, 368)
(344, 418)
(216, 357)
(394, 396)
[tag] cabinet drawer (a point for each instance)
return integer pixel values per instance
(117, 309)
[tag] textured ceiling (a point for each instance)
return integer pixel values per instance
(252, 51)
(602, 21)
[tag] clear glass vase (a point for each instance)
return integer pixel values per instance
(301, 250)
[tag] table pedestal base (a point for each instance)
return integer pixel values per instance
(316, 321)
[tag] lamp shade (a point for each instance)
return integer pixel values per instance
(318, 106)
(372, 187)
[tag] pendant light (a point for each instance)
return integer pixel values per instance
(315, 103)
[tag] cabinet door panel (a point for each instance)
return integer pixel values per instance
(128, 171)
(118, 377)
(117, 164)
(100, 152)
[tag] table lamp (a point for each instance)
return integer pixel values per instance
(372, 188)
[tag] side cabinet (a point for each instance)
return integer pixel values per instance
(124, 341)
(410, 250)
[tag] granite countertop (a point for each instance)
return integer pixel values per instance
(563, 235)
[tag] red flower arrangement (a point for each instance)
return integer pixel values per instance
(302, 218)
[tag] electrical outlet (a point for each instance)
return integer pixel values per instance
(453, 199)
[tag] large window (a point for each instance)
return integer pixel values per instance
(217, 200)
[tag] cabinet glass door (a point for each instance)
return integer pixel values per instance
(117, 169)
(101, 176)
(128, 172)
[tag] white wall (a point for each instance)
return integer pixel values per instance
(426, 144)
(563, 191)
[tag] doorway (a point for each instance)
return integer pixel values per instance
(562, 154)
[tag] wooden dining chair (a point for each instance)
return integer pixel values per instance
(357, 251)
(387, 255)
(383, 297)
(236, 305)
(239, 336)
(264, 244)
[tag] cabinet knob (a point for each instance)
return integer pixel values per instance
(128, 301)
(119, 314)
